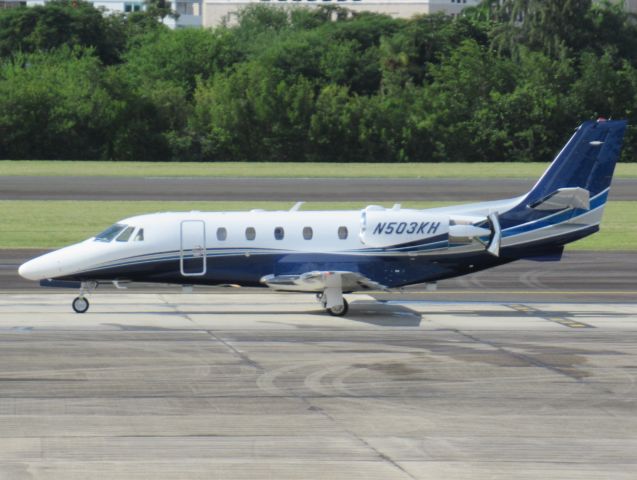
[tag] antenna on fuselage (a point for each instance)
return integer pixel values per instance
(296, 207)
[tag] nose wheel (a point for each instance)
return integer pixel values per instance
(80, 304)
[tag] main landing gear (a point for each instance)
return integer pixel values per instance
(80, 304)
(336, 310)
(339, 310)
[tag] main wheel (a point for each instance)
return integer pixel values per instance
(339, 310)
(80, 305)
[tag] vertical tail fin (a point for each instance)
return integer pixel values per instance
(567, 202)
(587, 161)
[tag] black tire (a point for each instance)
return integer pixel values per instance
(339, 311)
(80, 304)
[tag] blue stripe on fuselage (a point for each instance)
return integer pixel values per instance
(426, 246)
(555, 218)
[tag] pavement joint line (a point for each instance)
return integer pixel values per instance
(321, 411)
(560, 320)
(306, 399)
(243, 357)
(520, 356)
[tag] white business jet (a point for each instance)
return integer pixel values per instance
(334, 252)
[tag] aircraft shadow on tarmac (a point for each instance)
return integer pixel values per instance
(374, 313)
(383, 314)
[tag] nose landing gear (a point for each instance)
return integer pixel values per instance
(80, 304)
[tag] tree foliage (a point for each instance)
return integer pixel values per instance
(55, 105)
(61, 23)
(505, 81)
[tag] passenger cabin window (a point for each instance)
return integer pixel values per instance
(308, 233)
(110, 233)
(279, 233)
(126, 234)
(222, 234)
(342, 233)
(139, 236)
(251, 234)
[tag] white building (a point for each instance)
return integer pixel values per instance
(631, 5)
(216, 12)
(189, 10)
(210, 13)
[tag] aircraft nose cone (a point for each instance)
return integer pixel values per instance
(30, 270)
(27, 271)
(59, 263)
(38, 269)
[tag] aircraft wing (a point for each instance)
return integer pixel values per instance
(319, 281)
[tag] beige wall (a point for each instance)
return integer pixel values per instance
(215, 11)
(631, 5)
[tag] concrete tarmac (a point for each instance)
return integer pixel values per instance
(283, 189)
(168, 386)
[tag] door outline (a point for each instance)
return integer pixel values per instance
(198, 250)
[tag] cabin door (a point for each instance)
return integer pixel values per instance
(192, 255)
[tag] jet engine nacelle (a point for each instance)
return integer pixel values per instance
(381, 228)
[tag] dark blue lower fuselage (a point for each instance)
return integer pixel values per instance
(391, 270)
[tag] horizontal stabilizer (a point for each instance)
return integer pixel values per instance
(563, 198)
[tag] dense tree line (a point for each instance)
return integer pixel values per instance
(504, 81)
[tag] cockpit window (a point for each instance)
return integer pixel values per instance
(139, 237)
(125, 235)
(110, 233)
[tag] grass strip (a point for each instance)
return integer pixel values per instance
(284, 170)
(51, 224)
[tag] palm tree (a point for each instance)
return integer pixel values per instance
(549, 25)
